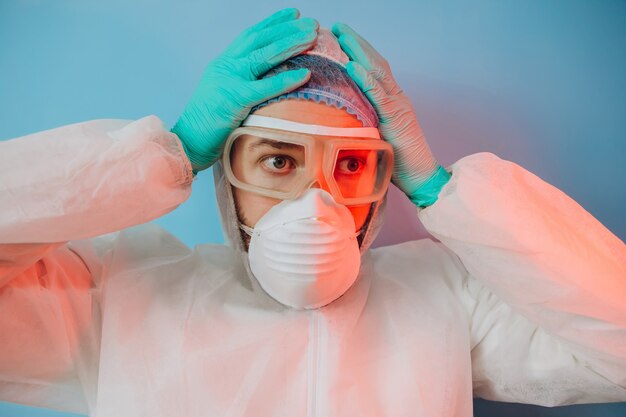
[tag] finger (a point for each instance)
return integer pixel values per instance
(382, 73)
(339, 29)
(240, 44)
(282, 83)
(274, 33)
(355, 52)
(376, 65)
(281, 16)
(262, 60)
(371, 87)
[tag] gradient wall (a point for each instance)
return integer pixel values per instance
(540, 83)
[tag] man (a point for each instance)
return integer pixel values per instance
(521, 301)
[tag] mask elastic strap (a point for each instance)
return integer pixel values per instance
(247, 229)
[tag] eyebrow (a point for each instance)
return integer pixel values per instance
(274, 144)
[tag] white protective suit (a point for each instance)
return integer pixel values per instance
(523, 301)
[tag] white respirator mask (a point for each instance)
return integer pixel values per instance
(304, 252)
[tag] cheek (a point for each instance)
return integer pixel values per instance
(360, 214)
(252, 206)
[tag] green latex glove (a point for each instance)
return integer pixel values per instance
(230, 86)
(416, 171)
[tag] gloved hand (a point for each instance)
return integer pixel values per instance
(230, 87)
(416, 171)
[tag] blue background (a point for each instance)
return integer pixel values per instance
(540, 83)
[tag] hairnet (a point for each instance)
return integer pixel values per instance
(329, 83)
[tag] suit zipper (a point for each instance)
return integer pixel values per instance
(313, 363)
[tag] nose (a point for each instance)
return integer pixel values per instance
(321, 183)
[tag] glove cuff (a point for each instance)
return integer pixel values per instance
(427, 194)
(197, 164)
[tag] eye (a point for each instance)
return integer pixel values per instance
(279, 164)
(350, 166)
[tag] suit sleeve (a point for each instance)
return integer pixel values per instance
(545, 286)
(83, 181)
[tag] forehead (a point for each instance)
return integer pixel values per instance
(255, 143)
(309, 112)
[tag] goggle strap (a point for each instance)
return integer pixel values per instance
(281, 124)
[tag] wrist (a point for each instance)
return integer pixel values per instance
(428, 192)
(193, 160)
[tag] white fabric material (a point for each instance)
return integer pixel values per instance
(304, 252)
(346, 132)
(523, 301)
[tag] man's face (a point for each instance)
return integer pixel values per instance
(251, 206)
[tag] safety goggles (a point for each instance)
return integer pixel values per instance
(281, 159)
